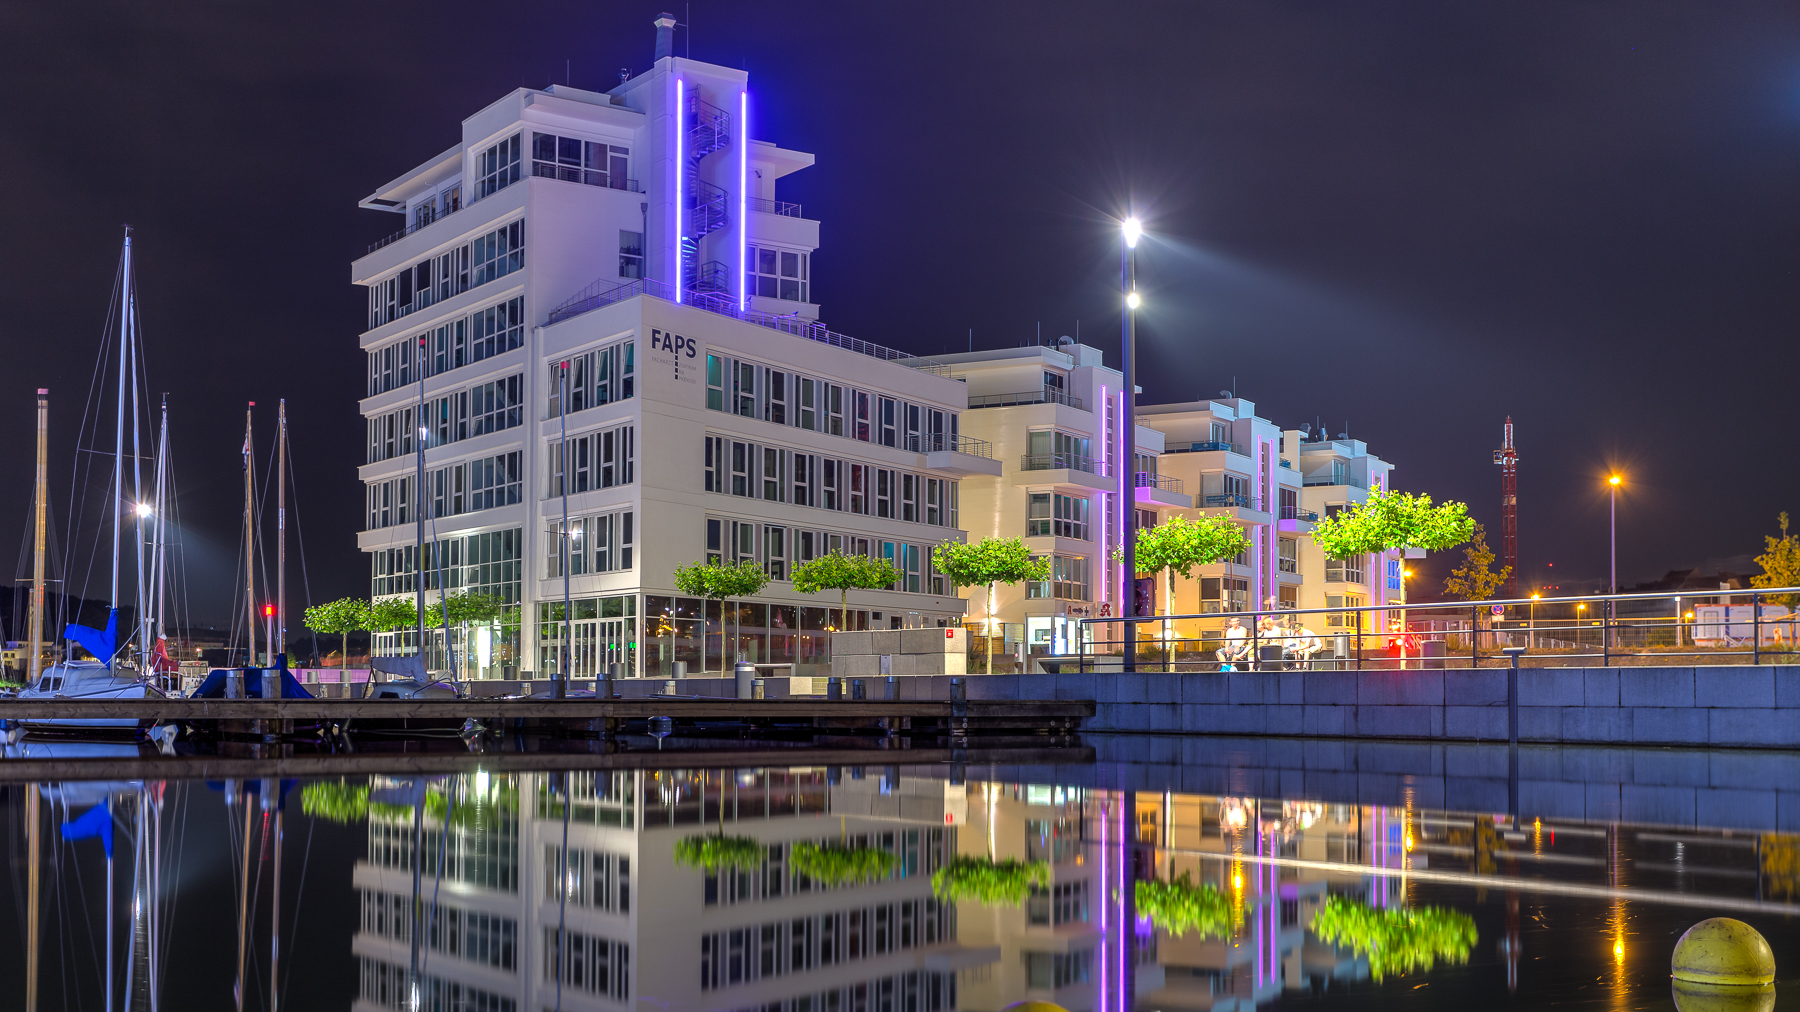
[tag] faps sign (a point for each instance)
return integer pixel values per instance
(674, 352)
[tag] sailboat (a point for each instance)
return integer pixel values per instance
(111, 673)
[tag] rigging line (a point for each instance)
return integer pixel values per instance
(299, 898)
(78, 503)
(438, 878)
(300, 544)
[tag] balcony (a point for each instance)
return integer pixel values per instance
(421, 223)
(1333, 481)
(1071, 469)
(780, 207)
(1161, 490)
(1296, 513)
(1048, 395)
(1160, 482)
(590, 177)
(1209, 447)
(957, 456)
(1061, 462)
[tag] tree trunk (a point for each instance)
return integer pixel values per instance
(990, 629)
(843, 609)
(1168, 623)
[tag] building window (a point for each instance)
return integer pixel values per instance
(779, 274)
(774, 543)
(594, 378)
(631, 254)
(1056, 515)
(497, 167)
(1344, 570)
(493, 481)
(577, 161)
(1340, 619)
(495, 406)
(1047, 449)
(1287, 551)
(1290, 596)
(909, 498)
(1290, 503)
(497, 253)
(602, 459)
(1224, 594)
(775, 393)
(1068, 580)
(884, 493)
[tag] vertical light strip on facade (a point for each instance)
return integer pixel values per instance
(744, 197)
(1101, 810)
(1105, 451)
(680, 163)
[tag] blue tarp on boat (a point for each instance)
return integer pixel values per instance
(214, 685)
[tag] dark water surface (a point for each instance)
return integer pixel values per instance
(1180, 875)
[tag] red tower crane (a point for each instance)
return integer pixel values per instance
(1508, 459)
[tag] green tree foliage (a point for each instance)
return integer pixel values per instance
(987, 563)
(844, 573)
(1179, 906)
(1396, 939)
(392, 613)
(1178, 544)
(840, 866)
(1393, 520)
(1475, 579)
(342, 617)
(476, 608)
(713, 851)
(985, 880)
(719, 581)
(1780, 565)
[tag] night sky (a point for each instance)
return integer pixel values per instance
(1406, 220)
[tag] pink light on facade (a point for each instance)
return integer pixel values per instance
(680, 116)
(744, 197)
(1100, 810)
(1105, 451)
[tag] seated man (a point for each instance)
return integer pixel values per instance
(1303, 644)
(1268, 644)
(1237, 646)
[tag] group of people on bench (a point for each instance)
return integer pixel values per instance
(1273, 648)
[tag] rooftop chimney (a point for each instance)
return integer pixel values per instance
(665, 36)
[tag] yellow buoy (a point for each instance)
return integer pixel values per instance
(1721, 950)
(1691, 996)
(1034, 1006)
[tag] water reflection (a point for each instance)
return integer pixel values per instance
(834, 889)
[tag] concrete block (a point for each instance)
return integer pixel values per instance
(1600, 801)
(906, 664)
(1656, 686)
(852, 643)
(884, 641)
(1402, 758)
(1399, 721)
(1474, 687)
(1130, 687)
(1252, 687)
(856, 666)
(1327, 755)
(1744, 726)
(1596, 724)
(1336, 688)
(1334, 721)
(1162, 687)
(1734, 686)
(1479, 722)
(1476, 794)
(1600, 686)
(986, 686)
(1551, 799)
(1787, 686)
(1751, 770)
(1551, 687)
(1212, 718)
(1037, 686)
(1667, 767)
(1668, 725)
(1287, 753)
(956, 662)
(1668, 806)
(1284, 719)
(1540, 723)
(1075, 686)
(1732, 809)
(1168, 717)
(926, 641)
(1293, 687)
(1400, 688)
(1205, 687)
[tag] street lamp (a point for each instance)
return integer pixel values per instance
(1531, 623)
(1612, 492)
(1130, 230)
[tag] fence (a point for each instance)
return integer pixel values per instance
(1704, 628)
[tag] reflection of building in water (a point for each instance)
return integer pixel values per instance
(639, 926)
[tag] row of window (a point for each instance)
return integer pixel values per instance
(432, 280)
(485, 858)
(489, 331)
(911, 991)
(800, 944)
(496, 168)
(388, 986)
(476, 936)
(777, 474)
(578, 161)
(593, 378)
(601, 459)
(756, 391)
(1345, 570)
(591, 964)
(489, 563)
(778, 274)
(777, 548)
(594, 879)
(1068, 580)
(467, 486)
(596, 544)
(462, 414)
(1052, 514)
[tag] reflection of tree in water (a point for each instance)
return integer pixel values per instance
(1399, 939)
(714, 852)
(1179, 907)
(994, 883)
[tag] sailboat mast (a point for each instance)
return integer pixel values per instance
(40, 514)
(249, 539)
(160, 545)
(142, 601)
(118, 489)
(280, 646)
(419, 502)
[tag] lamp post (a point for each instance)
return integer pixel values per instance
(1531, 623)
(1129, 232)
(1612, 483)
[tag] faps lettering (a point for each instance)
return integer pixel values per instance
(681, 347)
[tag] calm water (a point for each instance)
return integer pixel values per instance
(540, 889)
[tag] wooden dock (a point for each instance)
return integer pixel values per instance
(992, 713)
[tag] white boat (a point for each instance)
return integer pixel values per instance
(87, 680)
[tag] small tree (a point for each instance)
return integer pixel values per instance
(1780, 565)
(1178, 544)
(1475, 579)
(717, 581)
(341, 617)
(392, 613)
(1391, 520)
(844, 573)
(988, 562)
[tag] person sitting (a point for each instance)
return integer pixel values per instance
(1237, 646)
(1268, 643)
(1302, 644)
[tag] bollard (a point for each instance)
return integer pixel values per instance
(234, 683)
(668, 687)
(746, 673)
(271, 683)
(856, 689)
(757, 689)
(604, 687)
(887, 664)
(680, 670)
(893, 688)
(1512, 694)
(834, 687)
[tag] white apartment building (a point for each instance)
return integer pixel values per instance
(614, 270)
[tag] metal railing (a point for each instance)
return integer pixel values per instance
(607, 292)
(1296, 513)
(1707, 627)
(1209, 447)
(780, 207)
(937, 442)
(410, 229)
(1160, 482)
(1061, 462)
(1327, 482)
(1240, 500)
(1048, 395)
(589, 177)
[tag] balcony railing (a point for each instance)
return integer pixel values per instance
(938, 442)
(1296, 513)
(1160, 482)
(577, 174)
(1326, 482)
(410, 229)
(1061, 462)
(1230, 499)
(780, 207)
(1209, 447)
(1048, 395)
(608, 290)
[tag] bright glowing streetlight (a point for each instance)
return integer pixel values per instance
(144, 509)
(1132, 301)
(1134, 229)
(1612, 492)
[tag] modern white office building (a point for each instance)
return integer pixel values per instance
(613, 272)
